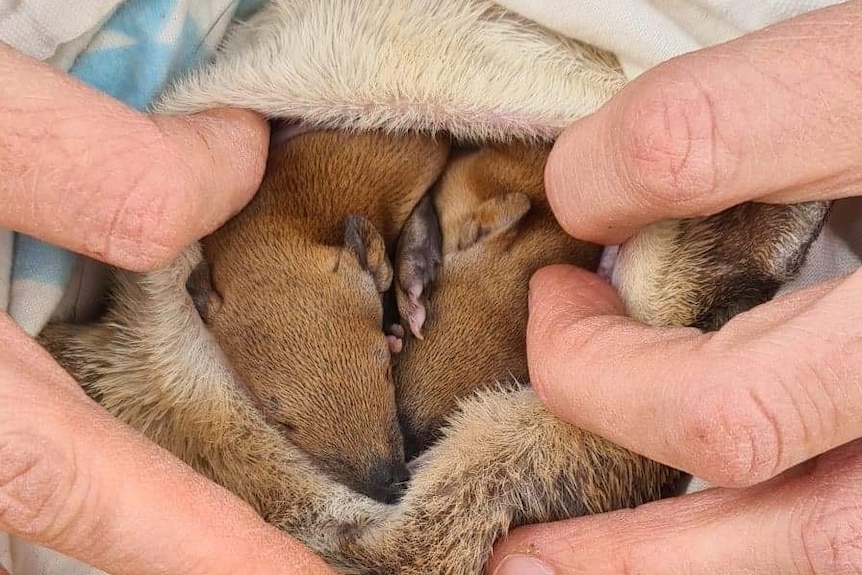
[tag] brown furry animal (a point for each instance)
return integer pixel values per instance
(291, 289)
(184, 355)
(490, 229)
(298, 277)
(462, 265)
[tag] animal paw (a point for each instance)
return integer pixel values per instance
(395, 338)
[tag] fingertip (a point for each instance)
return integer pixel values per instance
(567, 307)
(200, 170)
(223, 154)
(582, 292)
(579, 181)
(523, 564)
(557, 548)
(239, 140)
(516, 543)
(563, 180)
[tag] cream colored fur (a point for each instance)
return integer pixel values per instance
(466, 67)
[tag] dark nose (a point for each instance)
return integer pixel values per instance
(388, 481)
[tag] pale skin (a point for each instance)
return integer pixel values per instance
(768, 409)
(82, 171)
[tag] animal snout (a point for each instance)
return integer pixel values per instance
(388, 481)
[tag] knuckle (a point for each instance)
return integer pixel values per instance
(829, 531)
(732, 435)
(136, 227)
(670, 141)
(37, 480)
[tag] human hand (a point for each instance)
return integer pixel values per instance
(82, 171)
(768, 408)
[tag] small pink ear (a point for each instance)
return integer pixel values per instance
(415, 308)
(416, 261)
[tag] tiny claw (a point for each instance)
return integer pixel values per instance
(397, 330)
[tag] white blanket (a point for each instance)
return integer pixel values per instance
(643, 33)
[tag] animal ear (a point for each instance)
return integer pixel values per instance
(206, 299)
(493, 218)
(417, 258)
(364, 243)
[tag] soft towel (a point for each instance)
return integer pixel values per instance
(643, 33)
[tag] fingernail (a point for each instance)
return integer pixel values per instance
(523, 565)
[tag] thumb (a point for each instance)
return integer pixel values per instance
(74, 479)
(80, 170)
(562, 298)
(801, 522)
(763, 117)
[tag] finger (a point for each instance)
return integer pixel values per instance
(81, 170)
(774, 116)
(74, 479)
(774, 387)
(806, 524)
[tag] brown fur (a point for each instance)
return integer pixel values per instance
(497, 230)
(300, 273)
(291, 289)
(152, 363)
(500, 459)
